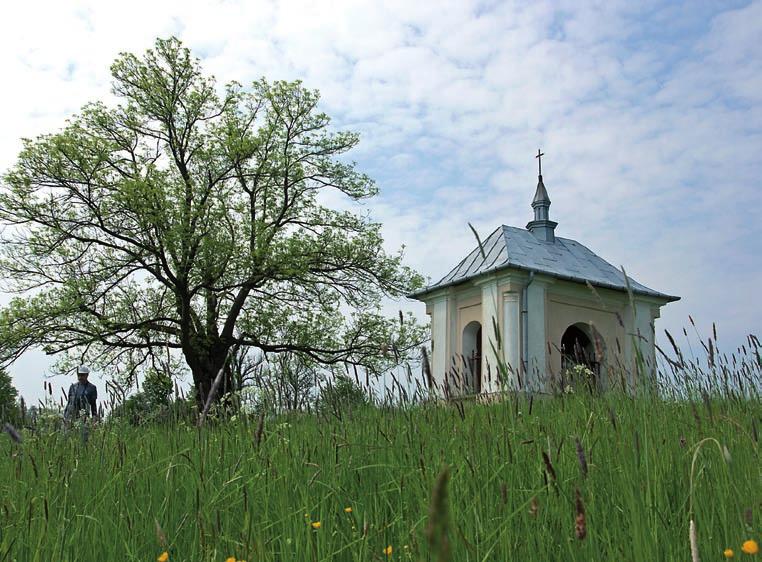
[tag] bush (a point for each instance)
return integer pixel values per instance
(135, 410)
(157, 388)
(141, 409)
(340, 395)
(46, 419)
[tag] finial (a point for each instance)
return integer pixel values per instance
(539, 161)
(541, 226)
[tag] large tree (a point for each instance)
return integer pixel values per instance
(191, 217)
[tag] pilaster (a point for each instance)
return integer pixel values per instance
(512, 336)
(537, 360)
(490, 316)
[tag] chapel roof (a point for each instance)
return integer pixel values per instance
(512, 247)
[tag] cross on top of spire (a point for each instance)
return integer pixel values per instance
(539, 160)
(541, 226)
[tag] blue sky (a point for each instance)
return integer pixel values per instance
(650, 115)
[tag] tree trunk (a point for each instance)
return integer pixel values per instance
(204, 365)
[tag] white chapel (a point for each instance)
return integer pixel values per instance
(530, 305)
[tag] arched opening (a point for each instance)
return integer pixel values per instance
(582, 345)
(472, 357)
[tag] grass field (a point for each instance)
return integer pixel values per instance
(503, 481)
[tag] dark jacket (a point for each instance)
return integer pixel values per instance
(81, 397)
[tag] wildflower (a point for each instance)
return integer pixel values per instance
(728, 552)
(388, 550)
(347, 510)
(163, 557)
(230, 559)
(315, 524)
(750, 547)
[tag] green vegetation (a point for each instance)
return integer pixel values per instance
(9, 409)
(191, 219)
(518, 471)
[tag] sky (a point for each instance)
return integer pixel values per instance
(649, 113)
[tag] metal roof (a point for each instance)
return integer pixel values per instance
(541, 195)
(512, 247)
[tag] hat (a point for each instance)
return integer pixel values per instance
(82, 370)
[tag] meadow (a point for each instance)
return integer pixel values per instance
(575, 477)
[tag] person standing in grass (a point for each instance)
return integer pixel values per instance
(83, 396)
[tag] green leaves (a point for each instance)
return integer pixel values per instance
(189, 216)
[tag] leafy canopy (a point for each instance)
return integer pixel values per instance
(190, 217)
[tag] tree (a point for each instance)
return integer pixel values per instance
(8, 395)
(295, 380)
(157, 387)
(292, 381)
(189, 219)
(284, 381)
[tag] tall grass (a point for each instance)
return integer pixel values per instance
(500, 481)
(614, 476)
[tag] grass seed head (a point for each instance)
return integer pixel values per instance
(549, 466)
(580, 525)
(694, 542)
(581, 458)
(436, 529)
(260, 429)
(12, 433)
(161, 537)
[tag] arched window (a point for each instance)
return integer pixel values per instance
(578, 348)
(472, 357)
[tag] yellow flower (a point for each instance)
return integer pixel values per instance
(230, 559)
(728, 552)
(750, 547)
(316, 524)
(163, 557)
(388, 550)
(347, 510)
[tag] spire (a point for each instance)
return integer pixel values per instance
(541, 226)
(541, 200)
